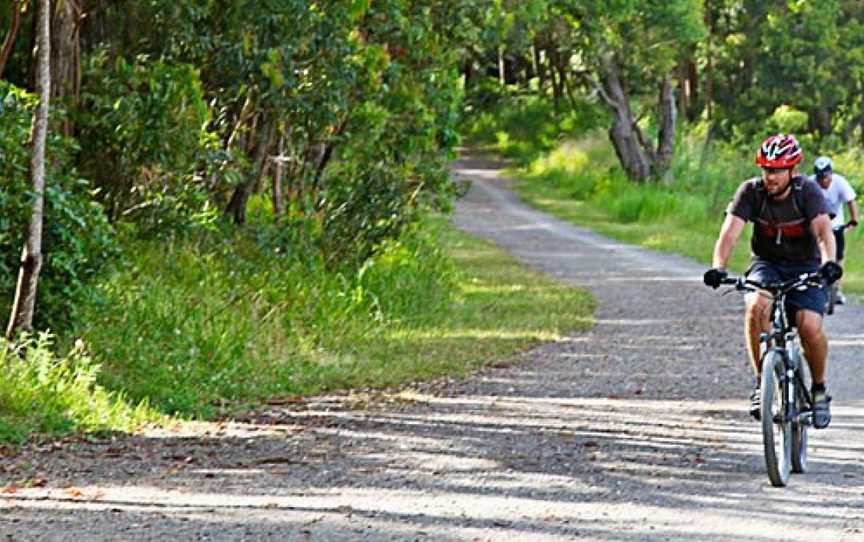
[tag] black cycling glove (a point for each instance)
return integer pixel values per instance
(714, 277)
(831, 272)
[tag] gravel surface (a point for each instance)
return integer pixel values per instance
(635, 430)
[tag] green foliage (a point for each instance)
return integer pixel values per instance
(77, 239)
(525, 128)
(788, 120)
(46, 393)
(144, 127)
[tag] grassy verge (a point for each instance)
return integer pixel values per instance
(44, 393)
(498, 307)
(207, 325)
(579, 182)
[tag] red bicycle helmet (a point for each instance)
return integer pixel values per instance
(780, 152)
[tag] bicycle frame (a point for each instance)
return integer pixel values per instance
(786, 407)
(783, 339)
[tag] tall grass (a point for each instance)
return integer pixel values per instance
(202, 326)
(43, 392)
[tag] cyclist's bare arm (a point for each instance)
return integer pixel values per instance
(730, 232)
(854, 214)
(821, 226)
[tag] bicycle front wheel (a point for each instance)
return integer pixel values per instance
(799, 428)
(776, 429)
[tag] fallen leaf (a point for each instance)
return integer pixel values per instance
(8, 490)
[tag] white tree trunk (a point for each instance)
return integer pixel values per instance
(24, 305)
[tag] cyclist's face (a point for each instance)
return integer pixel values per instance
(776, 180)
(825, 180)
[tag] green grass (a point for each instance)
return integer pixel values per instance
(498, 307)
(688, 238)
(209, 326)
(206, 326)
(49, 394)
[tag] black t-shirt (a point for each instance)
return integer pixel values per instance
(781, 229)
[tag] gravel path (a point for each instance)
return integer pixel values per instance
(633, 431)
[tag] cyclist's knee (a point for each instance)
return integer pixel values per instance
(809, 324)
(757, 304)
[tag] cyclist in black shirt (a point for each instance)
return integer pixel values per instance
(791, 235)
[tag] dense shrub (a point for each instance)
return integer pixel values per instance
(143, 127)
(77, 239)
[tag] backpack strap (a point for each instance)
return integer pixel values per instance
(797, 196)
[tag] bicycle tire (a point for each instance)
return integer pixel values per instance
(799, 428)
(776, 431)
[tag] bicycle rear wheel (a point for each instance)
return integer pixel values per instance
(776, 429)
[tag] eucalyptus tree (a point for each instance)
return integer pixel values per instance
(24, 304)
(627, 51)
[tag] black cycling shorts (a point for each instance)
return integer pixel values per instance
(840, 241)
(812, 298)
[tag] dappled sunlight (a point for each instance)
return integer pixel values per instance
(521, 497)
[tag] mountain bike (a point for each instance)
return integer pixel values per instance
(787, 408)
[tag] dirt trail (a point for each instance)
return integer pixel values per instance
(632, 431)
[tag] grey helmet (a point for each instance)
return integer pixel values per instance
(822, 165)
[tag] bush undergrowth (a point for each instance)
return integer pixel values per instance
(210, 323)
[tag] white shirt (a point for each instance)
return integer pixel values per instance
(838, 193)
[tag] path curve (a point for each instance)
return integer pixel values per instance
(634, 430)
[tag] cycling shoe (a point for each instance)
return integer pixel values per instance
(756, 403)
(821, 409)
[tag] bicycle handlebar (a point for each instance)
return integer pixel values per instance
(846, 226)
(776, 288)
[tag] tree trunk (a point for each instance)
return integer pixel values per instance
(262, 154)
(624, 132)
(237, 205)
(539, 69)
(554, 76)
(24, 305)
(709, 63)
(66, 55)
(327, 153)
(692, 112)
(242, 118)
(502, 76)
(9, 41)
(278, 175)
(565, 82)
(666, 137)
